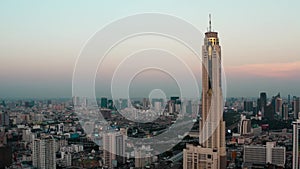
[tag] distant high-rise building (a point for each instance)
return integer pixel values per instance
(3, 103)
(174, 104)
(157, 106)
(103, 102)
(278, 106)
(248, 106)
(189, 107)
(157, 100)
(262, 103)
(285, 111)
(4, 119)
(270, 109)
(146, 103)
(44, 153)
(174, 98)
(171, 106)
(110, 104)
(212, 151)
(49, 103)
(244, 125)
(296, 107)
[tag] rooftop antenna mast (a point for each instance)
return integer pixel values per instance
(209, 22)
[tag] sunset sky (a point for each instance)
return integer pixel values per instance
(40, 41)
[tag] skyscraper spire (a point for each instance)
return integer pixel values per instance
(212, 138)
(209, 23)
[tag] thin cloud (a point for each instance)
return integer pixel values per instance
(270, 70)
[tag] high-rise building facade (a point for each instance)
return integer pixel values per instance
(244, 125)
(270, 109)
(4, 119)
(212, 150)
(262, 103)
(44, 153)
(296, 128)
(114, 149)
(103, 102)
(257, 154)
(285, 111)
(296, 107)
(278, 106)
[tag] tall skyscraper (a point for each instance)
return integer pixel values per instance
(296, 127)
(212, 150)
(278, 106)
(270, 109)
(285, 111)
(296, 107)
(262, 103)
(43, 153)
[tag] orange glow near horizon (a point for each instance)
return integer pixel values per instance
(267, 70)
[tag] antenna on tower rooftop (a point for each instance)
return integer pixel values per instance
(209, 22)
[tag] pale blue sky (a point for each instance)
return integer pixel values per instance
(40, 40)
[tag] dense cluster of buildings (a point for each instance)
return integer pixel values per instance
(48, 134)
(42, 134)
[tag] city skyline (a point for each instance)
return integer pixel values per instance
(48, 37)
(149, 84)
